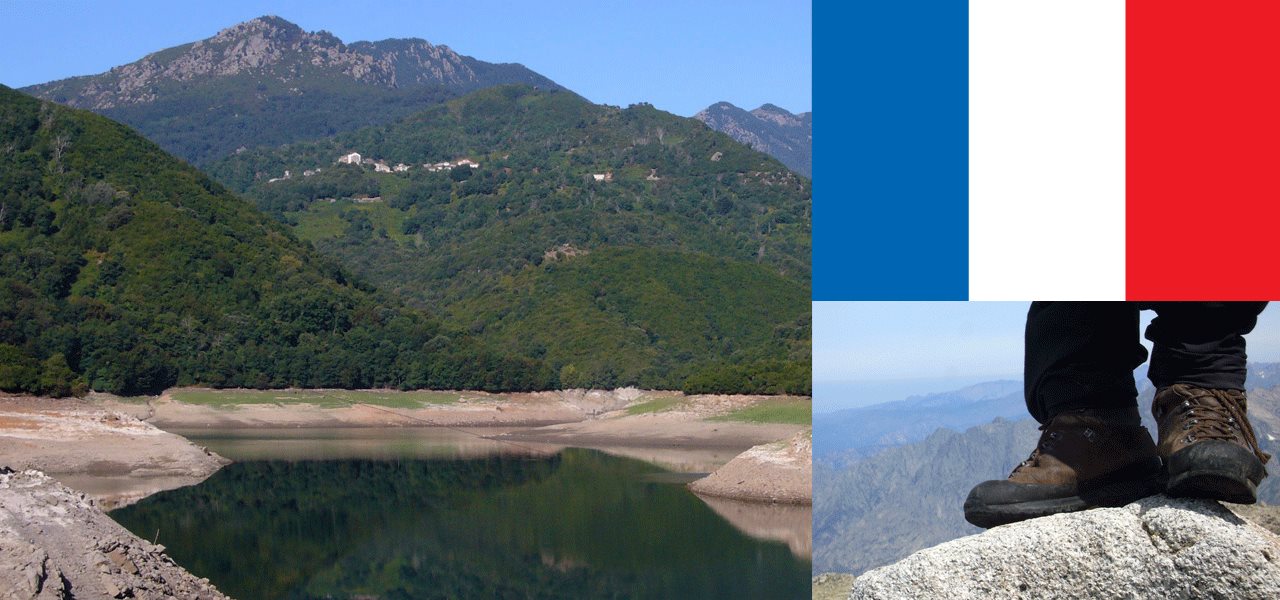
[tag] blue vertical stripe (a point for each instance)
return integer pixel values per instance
(891, 145)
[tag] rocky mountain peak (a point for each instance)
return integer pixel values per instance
(267, 81)
(769, 129)
(775, 114)
(719, 107)
(269, 26)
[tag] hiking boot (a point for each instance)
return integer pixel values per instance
(1085, 459)
(1208, 446)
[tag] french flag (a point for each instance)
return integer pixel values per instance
(1047, 149)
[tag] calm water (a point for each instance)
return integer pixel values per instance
(571, 524)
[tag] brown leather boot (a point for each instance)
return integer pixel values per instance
(1085, 459)
(1207, 444)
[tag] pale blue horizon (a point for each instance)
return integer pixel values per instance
(875, 352)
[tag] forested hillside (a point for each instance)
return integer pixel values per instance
(480, 209)
(122, 269)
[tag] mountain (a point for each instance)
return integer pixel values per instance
(123, 269)
(268, 82)
(876, 510)
(622, 246)
(860, 431)
(775, 131)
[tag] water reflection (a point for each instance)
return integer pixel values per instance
(578, 523)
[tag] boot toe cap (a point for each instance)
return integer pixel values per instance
(1216, 458)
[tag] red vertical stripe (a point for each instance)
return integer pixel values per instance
(1202, 150)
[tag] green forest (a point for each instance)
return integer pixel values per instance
(687, 268)
(125, 270)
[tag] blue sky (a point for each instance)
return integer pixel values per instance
(679, 56)
(869, 352)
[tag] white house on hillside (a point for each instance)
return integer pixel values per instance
(350, 159)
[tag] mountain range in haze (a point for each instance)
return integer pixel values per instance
(770, 129)
(268, 82)
(872, 510)
(858, 432)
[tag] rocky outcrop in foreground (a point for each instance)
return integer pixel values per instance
(1158, 547)
(54, 543)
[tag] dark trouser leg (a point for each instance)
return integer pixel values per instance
(1081, 355)
(1201, 343)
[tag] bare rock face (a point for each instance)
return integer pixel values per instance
(54, 543)
(267, 82)
(1158, 547)
(775, 131)
(271, 47)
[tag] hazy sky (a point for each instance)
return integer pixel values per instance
(894, 349)
(891, 340)
(678, 56)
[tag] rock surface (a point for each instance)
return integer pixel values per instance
(55, 543)
(770, 129)
(832, 586)
(277, 49)
(1158, 547)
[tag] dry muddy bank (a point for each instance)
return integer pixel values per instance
(114, 457)
(779, 472)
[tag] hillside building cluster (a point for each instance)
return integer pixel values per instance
(381, 166)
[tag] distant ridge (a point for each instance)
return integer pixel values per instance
(770, 129)
(864, 430)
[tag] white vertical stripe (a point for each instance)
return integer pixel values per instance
(1046, 149)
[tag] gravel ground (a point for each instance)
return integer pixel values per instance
(55, 543)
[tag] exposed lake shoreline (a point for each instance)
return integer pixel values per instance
(110, 455)
(121, 450)
(112, 452)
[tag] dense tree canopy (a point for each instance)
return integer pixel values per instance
(573, 205)
(123, 269)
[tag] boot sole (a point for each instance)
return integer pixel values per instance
(1116, 489)
(1213, 486)
(1216, 471)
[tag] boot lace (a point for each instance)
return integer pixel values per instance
(1216, 415)
(1046, 443)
